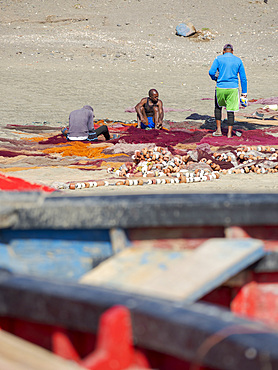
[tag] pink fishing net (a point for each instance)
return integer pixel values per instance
(100, 162)
(271, 130)
(267, 101)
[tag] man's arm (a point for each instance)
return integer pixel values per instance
(243, 79)
(161, 110)
(91, 122)
(138, 109)
(213, 70)
(160, 114)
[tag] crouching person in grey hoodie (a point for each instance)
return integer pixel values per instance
(81, 126)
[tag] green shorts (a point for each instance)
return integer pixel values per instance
(228, 98)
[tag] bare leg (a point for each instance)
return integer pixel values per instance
(138, 121)
(144, 116)
(231, 120)
(218, 127)
(160, 122)
(158, 118)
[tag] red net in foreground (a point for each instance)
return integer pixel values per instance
(251, 137)
(9, 183)
(161, 137)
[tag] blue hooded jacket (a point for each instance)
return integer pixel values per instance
(229, 67)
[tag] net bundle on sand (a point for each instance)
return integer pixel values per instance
(9, 183)
(157, 165)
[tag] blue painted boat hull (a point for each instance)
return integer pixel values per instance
(58, 254)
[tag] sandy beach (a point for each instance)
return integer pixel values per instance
(58, 56)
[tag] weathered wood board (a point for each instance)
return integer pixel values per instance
(18, 354)
(258, 121)
(176, 275)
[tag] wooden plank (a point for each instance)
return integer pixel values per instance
(176, 275)
(258, 121)
(18, 354)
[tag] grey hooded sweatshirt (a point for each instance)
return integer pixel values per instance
(81, 123)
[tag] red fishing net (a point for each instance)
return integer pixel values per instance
(15, 184)
(161, 137)
(53, 140)
(251, 137)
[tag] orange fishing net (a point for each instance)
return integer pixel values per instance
(134, 124)
(35, 139)
(81, 150)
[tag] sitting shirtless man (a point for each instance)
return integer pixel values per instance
(150, 111)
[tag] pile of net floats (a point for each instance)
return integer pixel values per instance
(159, 166)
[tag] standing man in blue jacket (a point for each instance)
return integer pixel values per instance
(225, 70)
